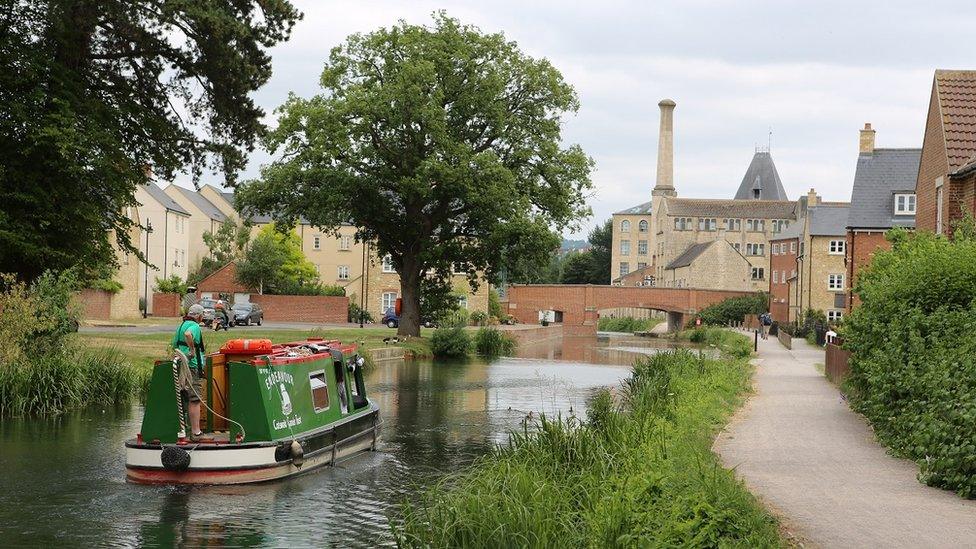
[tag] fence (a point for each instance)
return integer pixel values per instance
(785, 338)
(836, 367)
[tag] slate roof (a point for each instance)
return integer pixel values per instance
(878, 177)
(828, 220)
(956, 92)
(710, 207)
(160, 196)
(202, 204)
(640, 209)
(795, 230)
(762, 176)
(690, 255)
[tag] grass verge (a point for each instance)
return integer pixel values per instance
(627, 324)
(638, 473)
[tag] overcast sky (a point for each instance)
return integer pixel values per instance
(812, 72)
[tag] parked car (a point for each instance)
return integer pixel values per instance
(208, 305)
(392, 320)
(246, 314)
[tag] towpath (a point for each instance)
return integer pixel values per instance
(816, 464)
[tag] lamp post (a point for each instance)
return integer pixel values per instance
(362, 289)
(145, 291)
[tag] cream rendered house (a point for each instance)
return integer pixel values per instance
(169, 242)
(204, 217)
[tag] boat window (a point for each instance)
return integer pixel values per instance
(320, 391)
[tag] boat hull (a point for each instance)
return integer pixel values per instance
(221, 464)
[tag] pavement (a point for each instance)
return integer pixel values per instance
(170, 324)
(813, 462)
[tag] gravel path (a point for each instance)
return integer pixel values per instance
(816, 464)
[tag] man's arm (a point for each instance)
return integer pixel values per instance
(188, 336)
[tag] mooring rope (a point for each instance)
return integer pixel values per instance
(180, 357)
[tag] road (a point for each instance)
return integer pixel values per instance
(816, 464)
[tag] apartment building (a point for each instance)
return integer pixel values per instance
(168, 249)
(631, 240)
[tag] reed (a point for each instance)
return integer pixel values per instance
(636, 472)
(491, 342)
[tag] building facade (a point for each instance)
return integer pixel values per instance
(168, 249)
(631, 240)
(783, 287)
(715, 263)
(821, 269)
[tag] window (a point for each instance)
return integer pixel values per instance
(624, 268)
(836, 247)
(317, 242)
(793, 247)
(774, 249)
(835, 282)
(775, 277)
(343, 272)
(753, 248)
(642, 226)
(706, 224)
(388, 264)
(801, 248)
(835, 316)
(641, 247)
(737, 246)
(756, 225)
(389, 300)
(905, 204)
(345, 242)
(641, 265)
(757, 273)
(779, 225)
(625, 226)
(733, 224)
(624, 247)
(682, 223)
(320, 391)
(463, 301)
(938, 209)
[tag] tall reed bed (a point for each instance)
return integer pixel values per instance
(635, 472)
(491, 342)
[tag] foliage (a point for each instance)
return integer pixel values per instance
(491, 342)
(601, 247)
(478, 318)
(228, 243)
(358, 314)
(107, 285)
(36, 316)
(577, 267)
(455, 318)
(274, 264)
(441, 143)
(494, 304)
(913, 339)
(729, 343)
(93, 93)
(735, 309)
(640, 473)
(172, 285)
(450, 342)
(627, 324)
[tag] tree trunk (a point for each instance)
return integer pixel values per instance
(410, 294)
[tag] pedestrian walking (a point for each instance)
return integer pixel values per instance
(765, 321)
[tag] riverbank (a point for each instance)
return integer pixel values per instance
(641, 472)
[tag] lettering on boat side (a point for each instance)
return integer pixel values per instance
(297, 420)
(276, 376)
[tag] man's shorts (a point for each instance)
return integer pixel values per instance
(197, 382)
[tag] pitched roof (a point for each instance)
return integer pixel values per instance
(795, 230)
(640, 209)
(764, 209)
(878, 177)
(956, 92)
(202, 204)
(689, 255)
(828, 220)
(160, 196)
(761, 176)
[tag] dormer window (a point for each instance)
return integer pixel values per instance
(905, 204)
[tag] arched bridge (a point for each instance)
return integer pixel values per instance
(579, 303)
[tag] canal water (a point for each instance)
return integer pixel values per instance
(63, 481)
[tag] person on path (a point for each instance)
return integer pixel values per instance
(765, 321)
(189, 339)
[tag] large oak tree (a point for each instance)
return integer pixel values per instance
(441, 143)
(94, 92)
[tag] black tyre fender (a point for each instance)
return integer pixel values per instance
(175, 459)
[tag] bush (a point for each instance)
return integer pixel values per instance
(172, 285)
(450, 342)
(357, 314)
(478, 318)
(491, 342)
(626, 324)
(494, 305)
(637, 473)
(735, 309)
(728, 342)
(913, 339)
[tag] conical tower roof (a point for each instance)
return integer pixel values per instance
(761, 181)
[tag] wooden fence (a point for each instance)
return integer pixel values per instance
(836, 367)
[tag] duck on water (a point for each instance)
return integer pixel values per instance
(271, 411)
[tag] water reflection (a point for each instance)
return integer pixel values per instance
(63, 480)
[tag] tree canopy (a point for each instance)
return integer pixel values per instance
(274, 263)
(96, 93)
(442, 144)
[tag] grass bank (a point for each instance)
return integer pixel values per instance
(635, 473)
(627, 324)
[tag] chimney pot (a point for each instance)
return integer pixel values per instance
(866, 145)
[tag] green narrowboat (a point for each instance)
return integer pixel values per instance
(269, 412)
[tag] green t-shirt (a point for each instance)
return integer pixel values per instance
(179, 341)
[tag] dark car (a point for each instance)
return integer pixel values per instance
(392, 320)
(247, 313)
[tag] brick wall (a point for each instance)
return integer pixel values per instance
(166, 304)
(784, 265)
(861, 247)
(303, 308)
(933, 164)
(96, 304)
(223, 280)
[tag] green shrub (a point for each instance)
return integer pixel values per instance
(172, 285)
(735, 309)
(491, 342)
(913, 339)
(357, 314)
(627, 324)
(726, 341)
(494, 304)
(640, 473)
(478, 318)
(450, 342)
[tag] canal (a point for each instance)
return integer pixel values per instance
(63, 480)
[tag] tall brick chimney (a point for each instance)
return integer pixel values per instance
(665, 151)
(867, 139)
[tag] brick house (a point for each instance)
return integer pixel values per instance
(821, 269)
(946, 183)
(783, 288)
(882, 197)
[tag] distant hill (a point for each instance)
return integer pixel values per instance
(570, 245)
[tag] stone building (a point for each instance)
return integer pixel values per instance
(882, 197)
(631, 240)
(168, 250)
(204, 217)
(946, 183)
(820, 263)
(715, 263)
